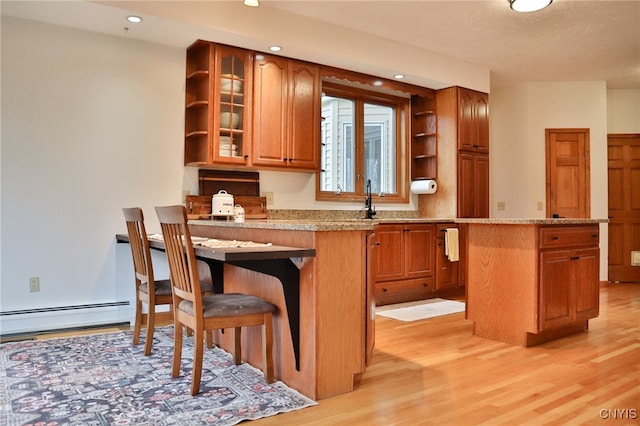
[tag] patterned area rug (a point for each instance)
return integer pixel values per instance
(422, 309)
(102, 379)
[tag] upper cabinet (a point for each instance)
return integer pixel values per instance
(217, 105)
(473, 120)
(248, 109)
(424, 133)
(286, 113)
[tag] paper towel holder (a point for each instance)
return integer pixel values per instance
(425, 186)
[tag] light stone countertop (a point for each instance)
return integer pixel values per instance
(530, 221)
(315, 225)
(352, 220)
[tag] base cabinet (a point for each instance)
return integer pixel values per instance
(533, 283)
(410, 263)
(569, 277)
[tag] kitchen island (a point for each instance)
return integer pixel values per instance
(532, 280)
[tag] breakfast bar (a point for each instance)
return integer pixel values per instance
(276, 261)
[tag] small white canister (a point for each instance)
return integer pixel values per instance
(222, 204)
(238, 213)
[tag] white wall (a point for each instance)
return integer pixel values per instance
(623, 111)
(90, 124)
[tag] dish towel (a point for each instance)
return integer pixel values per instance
(451, 247)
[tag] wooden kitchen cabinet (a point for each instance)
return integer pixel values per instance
(463, 156)
(286, 110)
(217, 105)
(473, 184)
(473, 120)
(534, 282)
(403, 262)
(569, 276)
(446, 270)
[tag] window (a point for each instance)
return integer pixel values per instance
(364, 138)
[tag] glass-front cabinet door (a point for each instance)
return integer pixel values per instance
(232, 112)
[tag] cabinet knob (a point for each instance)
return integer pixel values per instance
(554, 237)
(384, 289)
(377, 243)
(575, 257)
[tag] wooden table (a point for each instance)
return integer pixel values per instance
(276, 261)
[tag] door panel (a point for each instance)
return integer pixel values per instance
(623, 152)
(568, 175)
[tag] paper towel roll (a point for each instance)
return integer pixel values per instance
(428, 186)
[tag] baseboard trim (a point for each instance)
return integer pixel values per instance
(63, 317)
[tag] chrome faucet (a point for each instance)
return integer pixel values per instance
(368, 203)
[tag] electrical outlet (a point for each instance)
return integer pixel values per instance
(269, 197)
(540, 205)
(34, 284)
(501, 205)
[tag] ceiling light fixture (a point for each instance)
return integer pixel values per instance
(398, 76)
(251, 3)
(134, 19)
(275, 48)
(528, 5)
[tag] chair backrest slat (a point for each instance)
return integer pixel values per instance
(181, 256)
(139, 243)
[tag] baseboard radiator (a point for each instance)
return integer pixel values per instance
(61, 317)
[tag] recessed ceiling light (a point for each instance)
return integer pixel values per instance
(398, 76)
(528, 5)
(275, 48)
(251, 3)
(134, 19)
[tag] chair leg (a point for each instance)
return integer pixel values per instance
(177, 349)
(267, 344)
(151, 319)
(138, 321)
(237, 345)
(197, 359)
(208, 338)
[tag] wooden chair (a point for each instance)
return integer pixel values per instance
(149, 291)
(210, 312)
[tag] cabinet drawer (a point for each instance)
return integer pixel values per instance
(403, 291)
(569, 236)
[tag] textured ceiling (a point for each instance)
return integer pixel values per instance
(568, 41)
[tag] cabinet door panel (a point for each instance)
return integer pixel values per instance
(270, 111)
(465, 185)
(305, 116)
(390, 254)
(419, 241)
(586, 264)
(555, 285)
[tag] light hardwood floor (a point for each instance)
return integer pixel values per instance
(434, 372)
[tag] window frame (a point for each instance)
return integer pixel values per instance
(402, 108)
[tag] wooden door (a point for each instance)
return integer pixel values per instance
(556, 275)
(568, 173)
(586, 267)
(624, 207)
(390, 253)
(304, 142)
(270, 111)
(418, 254)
